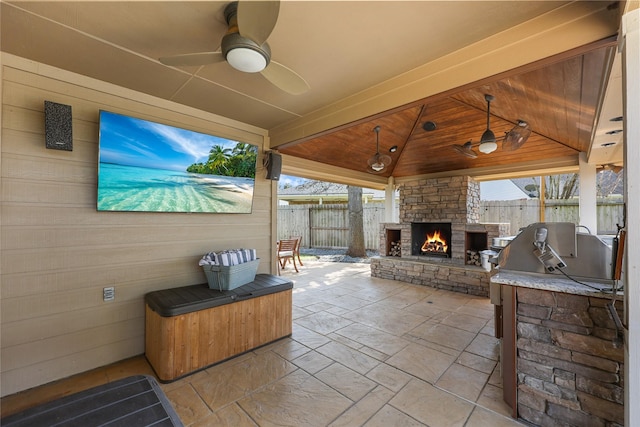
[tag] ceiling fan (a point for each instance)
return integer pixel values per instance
(513, 139)
(378, 161)
(245, 46)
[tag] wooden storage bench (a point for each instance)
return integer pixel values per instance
(192, 327)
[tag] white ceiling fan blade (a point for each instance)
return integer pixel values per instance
(193, 59)
(285, 78)
(256, 19)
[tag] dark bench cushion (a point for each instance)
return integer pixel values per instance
(134, 401)
(187, 299)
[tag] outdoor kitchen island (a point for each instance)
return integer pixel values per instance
(562, 356)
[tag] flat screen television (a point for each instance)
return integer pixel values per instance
(152, 167)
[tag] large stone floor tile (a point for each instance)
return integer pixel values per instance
(349, 383)
(229, 416)
(390, 416)
(465, 322)
(476, 362)
(382, 341)
(482, 417)
(227, 383)
(393, 321)
(432, 406)
(392, 378)
(187, 404)
(307, 337)
(323, 322)
(363, 410)
(462, 381)
(485, 346)
(298, 399)
(422, 362)
(349, 357)
(444, 335)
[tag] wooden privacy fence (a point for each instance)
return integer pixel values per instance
(327, 226)
(520, 213)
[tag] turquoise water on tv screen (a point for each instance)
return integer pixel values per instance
(132, 188)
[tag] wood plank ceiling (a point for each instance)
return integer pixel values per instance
(558, 97)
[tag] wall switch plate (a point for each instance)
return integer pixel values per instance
(109, 294)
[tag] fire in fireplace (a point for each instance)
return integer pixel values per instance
(431, 239)
(434, 243)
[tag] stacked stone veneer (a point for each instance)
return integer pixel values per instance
(454, 200)
(570, 373)
(472, 280)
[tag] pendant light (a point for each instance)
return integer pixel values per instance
(378, 161)
(488, 142)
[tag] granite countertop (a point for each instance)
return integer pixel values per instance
(554, 283)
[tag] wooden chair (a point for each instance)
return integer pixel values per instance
(286, 250)
(297, 250)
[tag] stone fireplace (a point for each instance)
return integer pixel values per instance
(450, 208)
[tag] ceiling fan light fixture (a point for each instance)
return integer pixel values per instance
(378, 161)
(246, 60)
(488, 147)
(488, 139)
(377, 166)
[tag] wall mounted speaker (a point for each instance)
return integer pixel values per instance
(273, 163)
(58, 131)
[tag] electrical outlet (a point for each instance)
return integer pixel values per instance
(109, 294)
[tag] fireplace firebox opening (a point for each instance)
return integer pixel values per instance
(432, 239)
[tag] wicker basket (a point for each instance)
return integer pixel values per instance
(225, 278)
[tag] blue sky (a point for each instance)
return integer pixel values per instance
(290, 180)
(134, 142)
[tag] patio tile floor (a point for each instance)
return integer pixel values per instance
(364, 352)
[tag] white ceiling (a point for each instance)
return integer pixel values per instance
(344, 49)
(340, 48)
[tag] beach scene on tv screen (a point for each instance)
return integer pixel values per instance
(151, 167)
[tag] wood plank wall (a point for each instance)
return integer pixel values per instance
(58, 252)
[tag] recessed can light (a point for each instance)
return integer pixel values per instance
(616, 119)
(607, 144)
(393, 149)
(429, 126)
(614, 132)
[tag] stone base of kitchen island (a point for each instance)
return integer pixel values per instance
(562, 354)
(470, 280)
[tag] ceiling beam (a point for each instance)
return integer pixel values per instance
(296, 166)
(560, 165)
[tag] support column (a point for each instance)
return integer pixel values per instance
(390, 202)
(587, 207)
(631, 112)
